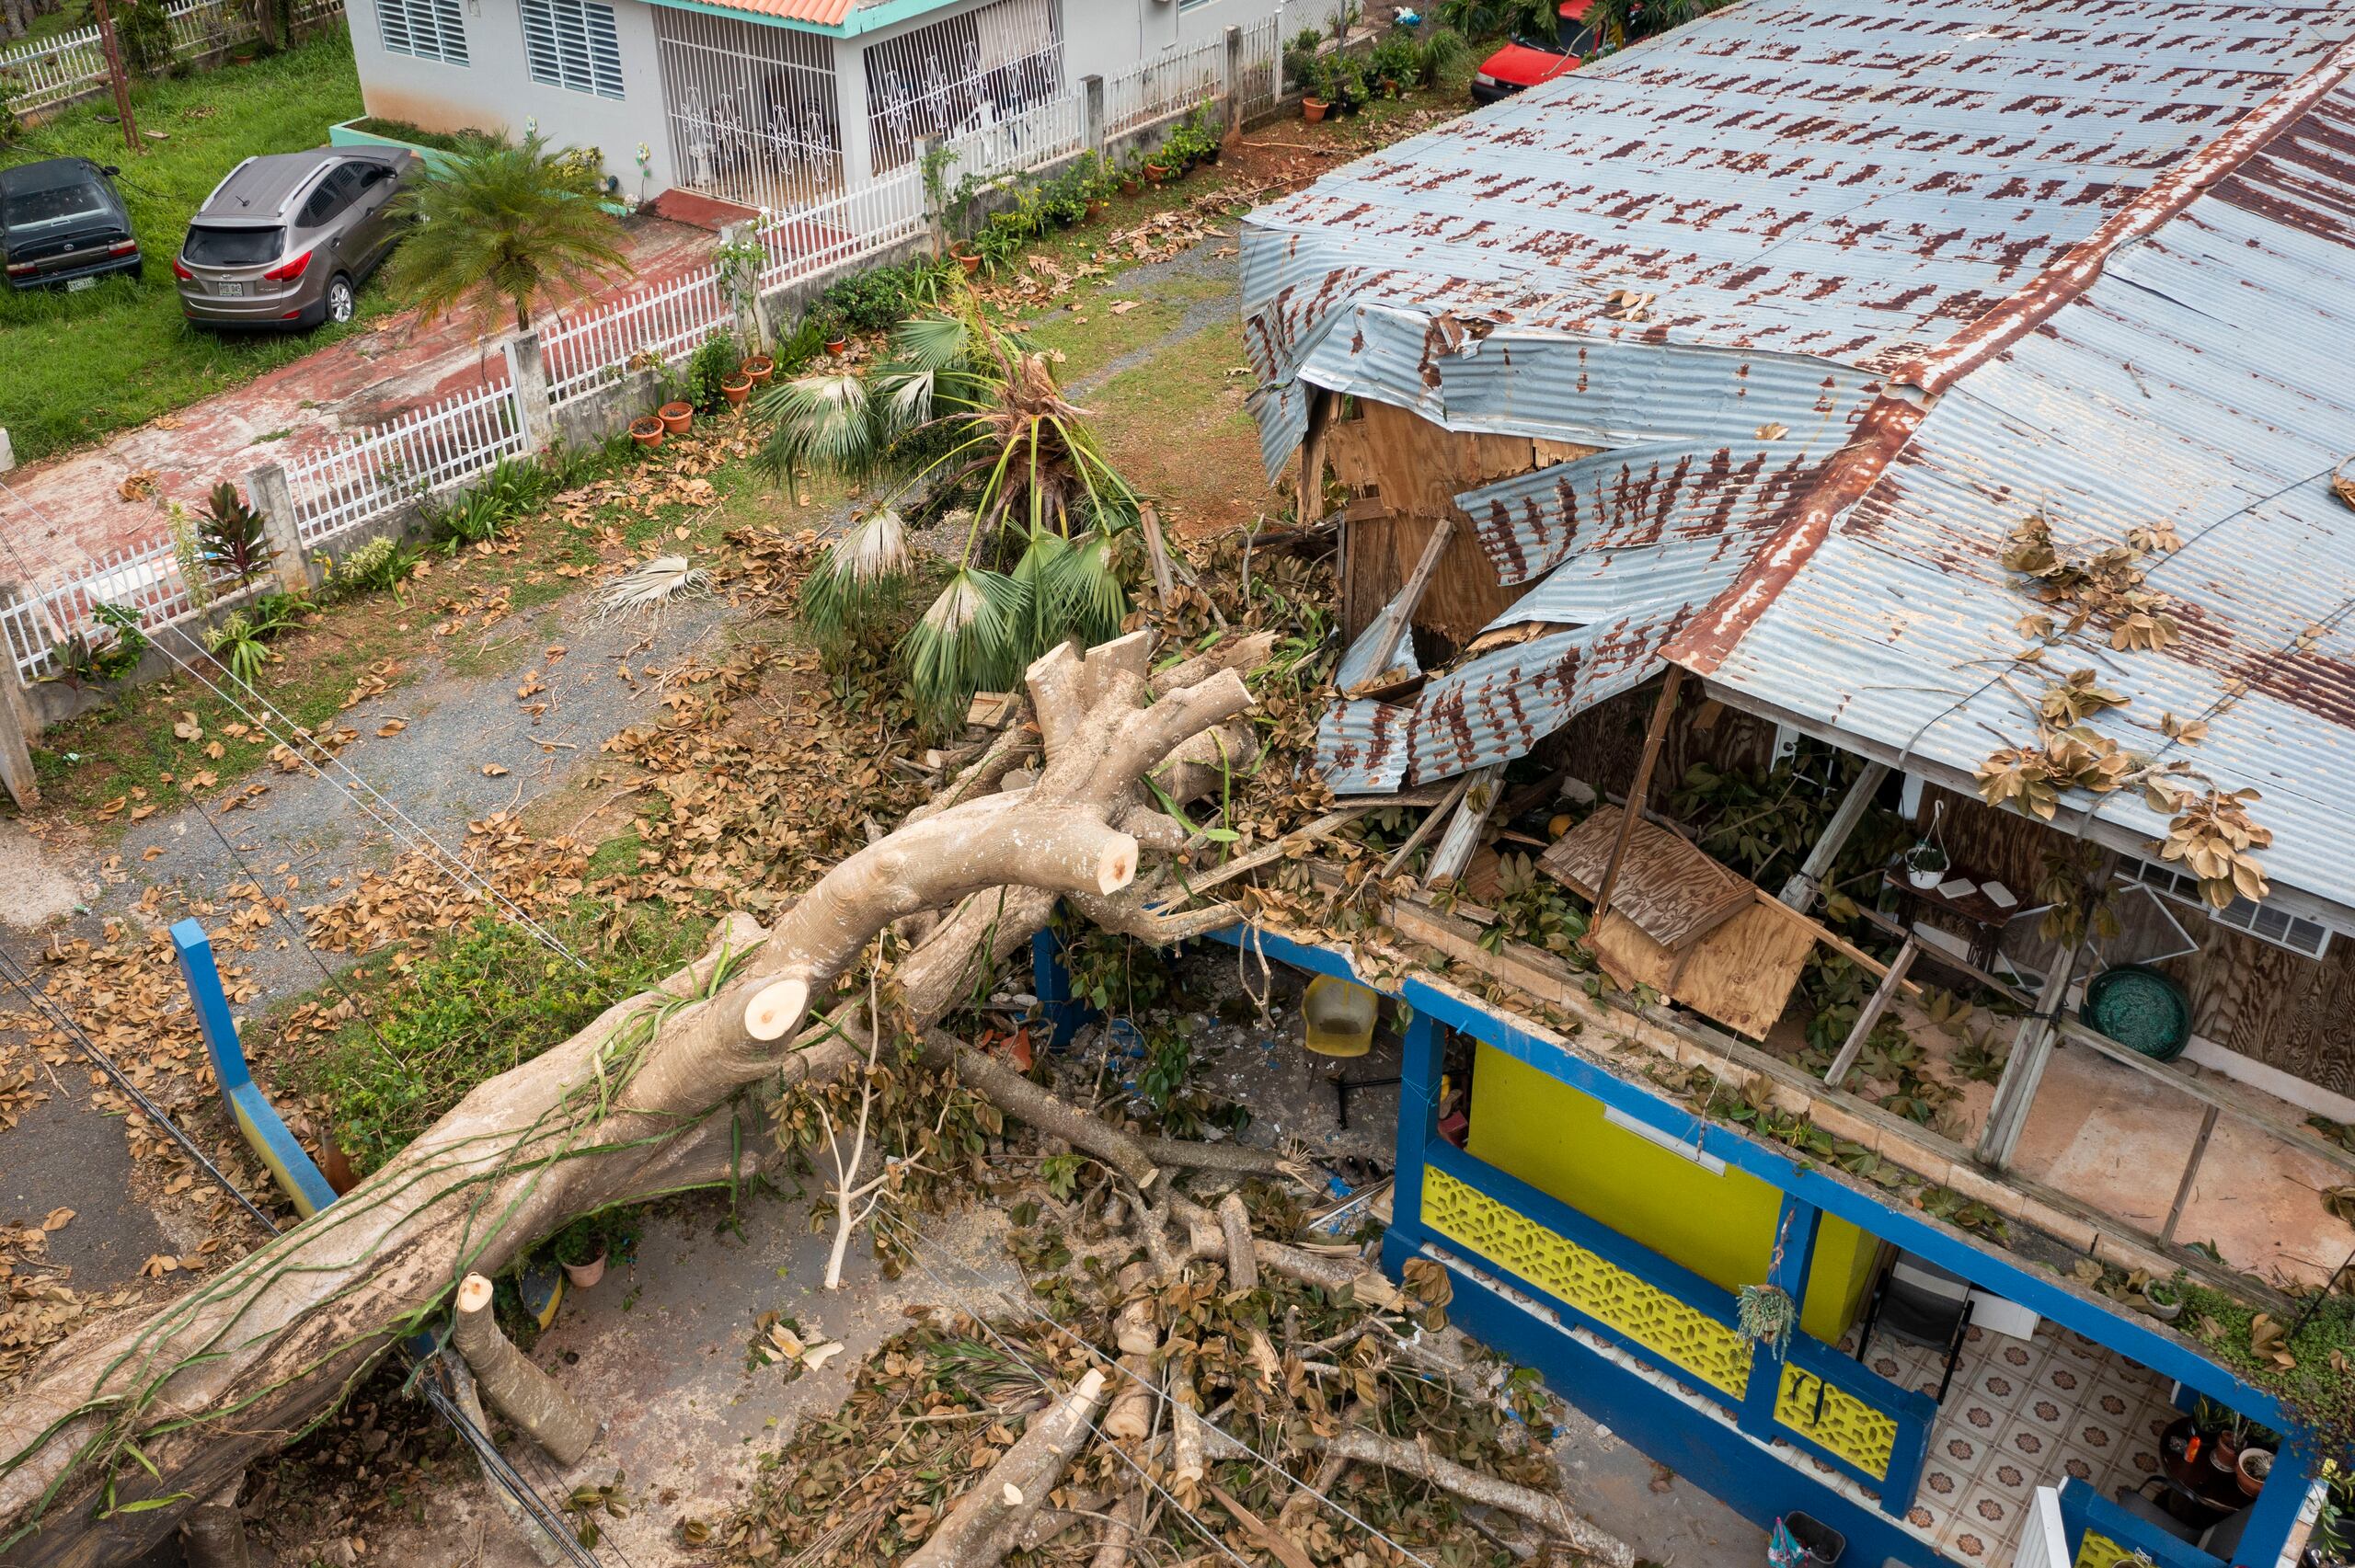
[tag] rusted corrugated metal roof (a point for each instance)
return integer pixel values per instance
(2202, 382)
(1829, 203)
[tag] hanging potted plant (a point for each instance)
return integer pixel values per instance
(647, 430)
(1767, 1314)
(1925, 865)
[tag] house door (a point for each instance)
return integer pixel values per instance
(751, 109)
(2045, 1542)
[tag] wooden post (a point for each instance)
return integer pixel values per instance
(2031, 1047)
(2191, 1173)
(1399, 613)
(17, 732)
(115, 76)
(1654, 735)
(1234, 84)
(1870, 1018)
(1461, 839)
(1800, 890)
(1321, 407)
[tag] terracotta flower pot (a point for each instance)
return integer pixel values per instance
(584, 1275)
(676, 417)
(759, 368)
(1156, 173)
(1095, 211)
(2251, 1468)
(1313, 110)
(967, 258)
(1128, 186)
(736, 388)
(838, 347)
(645, 430)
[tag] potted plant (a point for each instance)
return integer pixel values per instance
(758, 369)
(581, 1247)
(1316, 85)
(1766, 1313)
(966, 256)
(647, 430)
(672, 408)
(1133, 172)
(2251, 1468)
(736, 388)
(1925, 864)
(2164, 1299)
(1155, 171)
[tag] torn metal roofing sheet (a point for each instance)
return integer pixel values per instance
(2202, 382)
(1661, 492)
(1835, 185)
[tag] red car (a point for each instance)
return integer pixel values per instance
(1527, 61)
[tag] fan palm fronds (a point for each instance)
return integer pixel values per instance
(498, 228)
(967, 641)
(865, 566)
(826, 421)
(653, 587)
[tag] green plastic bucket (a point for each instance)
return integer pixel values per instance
(2140, 1008)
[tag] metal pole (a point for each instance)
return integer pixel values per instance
(115, 75)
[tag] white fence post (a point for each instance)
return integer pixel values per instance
(267, 493)
(7, 450)
(1092, 118)
(1233, 83)
(527, 372)
(15, 729)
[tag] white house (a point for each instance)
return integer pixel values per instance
(772, 103)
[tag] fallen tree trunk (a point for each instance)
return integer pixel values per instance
(1548, 1512)
(645, 1101)
(528, 1396)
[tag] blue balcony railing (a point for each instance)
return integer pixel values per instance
(1665, 1315)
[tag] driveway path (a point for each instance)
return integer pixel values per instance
(68, 508)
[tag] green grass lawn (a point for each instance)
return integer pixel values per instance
(84, 364)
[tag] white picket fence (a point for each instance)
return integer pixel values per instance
(1170, 83)
(145, 578)
(361, 476)
(36, 75)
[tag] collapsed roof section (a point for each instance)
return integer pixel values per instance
(1752, 258)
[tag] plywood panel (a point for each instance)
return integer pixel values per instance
(1673, 893)
(1464, 596)
(1740, 975)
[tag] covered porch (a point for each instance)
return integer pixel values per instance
(2060, 1406)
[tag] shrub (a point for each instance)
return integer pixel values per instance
(380, 564)
(233, 535)
(487, 998)
(714, 360)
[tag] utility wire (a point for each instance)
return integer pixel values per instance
(64, 1024)
(525, 1492)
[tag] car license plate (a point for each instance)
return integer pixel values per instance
(74, 283)
(232, 291)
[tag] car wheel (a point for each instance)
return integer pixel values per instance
(340, 302)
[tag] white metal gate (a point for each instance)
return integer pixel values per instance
(2045, 1542)
(753, 112)
(961, 76)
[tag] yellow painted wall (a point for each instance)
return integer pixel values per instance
(1720, 1227)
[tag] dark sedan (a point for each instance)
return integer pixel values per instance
(61, 223)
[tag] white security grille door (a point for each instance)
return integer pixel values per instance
(961, 76)
(429, 29)
(751, 109)
(2045, 1542)
(571, 44)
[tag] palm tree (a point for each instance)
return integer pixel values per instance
(966, 415)
(501, 225)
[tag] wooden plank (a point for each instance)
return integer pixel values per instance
(1346, 448)
(1463, 835)
(1800, 890)
(2191, 1173)
(1673, 892)
(1310, 509)
(1432, 819)
(1740, 975)
(1636, 792)
(1399, 614)
(1158, 553)
(1870, 1018)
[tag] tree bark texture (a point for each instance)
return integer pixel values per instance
(646, 1100)
(528, 1396)
(985, 1524)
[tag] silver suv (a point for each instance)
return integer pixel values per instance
(287, 239)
